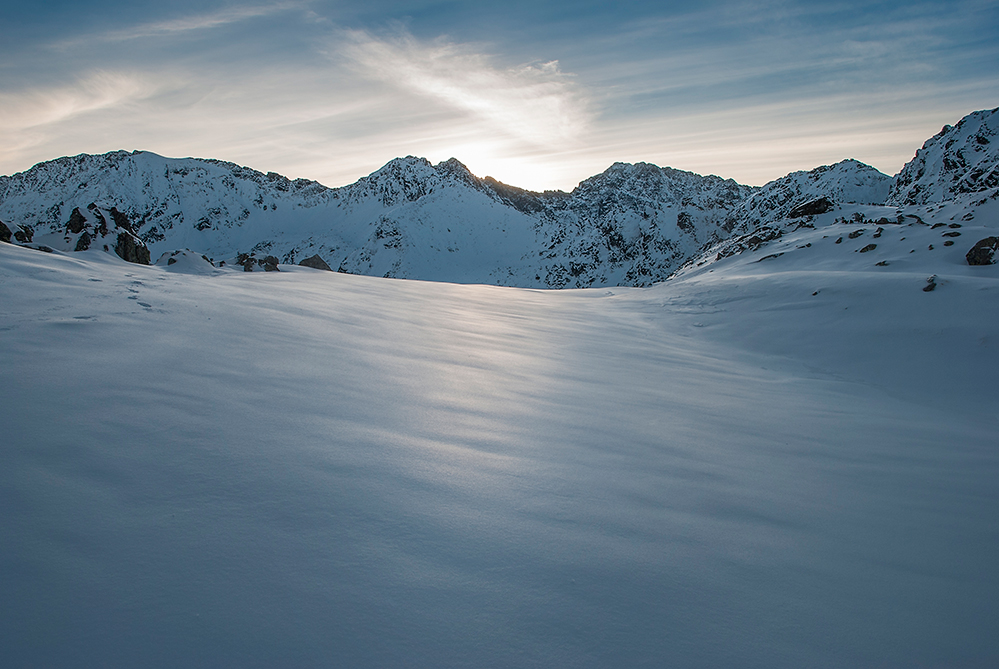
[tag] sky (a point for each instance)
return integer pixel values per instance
(536, 94)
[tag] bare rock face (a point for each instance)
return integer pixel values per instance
(315, 262)
(77, 222)
(83, 243)
(269, 263)
(5, 233)
(812, 208)
(131, 251)
(24, 234)
(984, 252)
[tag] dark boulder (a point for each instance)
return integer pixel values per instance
(812, 208)
(269, 263)
(5, 233)
(315, 262)
(130, 249)
(984, 252)
(77, 222)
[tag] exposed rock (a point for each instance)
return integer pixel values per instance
(24, 234)
(4, 233)
(269, 263)
(131, 250)
(931, 284)
(315, 262)
(121, 220)
(869, 247)
(813, 208)
(77, 222)
(983, 252)
(83, 243)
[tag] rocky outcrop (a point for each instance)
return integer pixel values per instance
(131, 249)
(983, 252)
(315, 262)
(4, 233)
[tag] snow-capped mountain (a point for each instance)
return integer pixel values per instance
(631, 225)
(813, 192)
(958, 160)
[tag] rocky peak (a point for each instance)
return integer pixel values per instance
(959, 159)
(805, 192)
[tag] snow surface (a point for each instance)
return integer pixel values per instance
(306, 468)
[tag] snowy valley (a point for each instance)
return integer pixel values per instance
(763, 435)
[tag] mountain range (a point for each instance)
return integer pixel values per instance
(632, 225)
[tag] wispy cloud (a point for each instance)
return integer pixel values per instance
(99, 90)
(193, 23)
(536, 103)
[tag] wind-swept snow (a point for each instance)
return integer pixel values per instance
(778, 463)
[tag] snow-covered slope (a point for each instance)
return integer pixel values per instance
(776, 462)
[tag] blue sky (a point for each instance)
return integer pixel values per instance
(536, 94)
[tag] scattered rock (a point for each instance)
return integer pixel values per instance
(869, 247)
(171, 261)
(269, 263)
(855, 234)
(883, 263)
(983, 252)
(315, 262)
(931, 284)
(955, 233)
(949, 242)
(770, 257)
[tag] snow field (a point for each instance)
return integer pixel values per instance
(307, 468)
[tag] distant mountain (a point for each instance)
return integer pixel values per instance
(631, 225)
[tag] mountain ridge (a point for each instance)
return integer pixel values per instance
(632, 224)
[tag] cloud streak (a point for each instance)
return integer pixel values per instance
(534, 103)
(187, 24)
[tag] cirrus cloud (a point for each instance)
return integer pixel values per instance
(536, 103)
